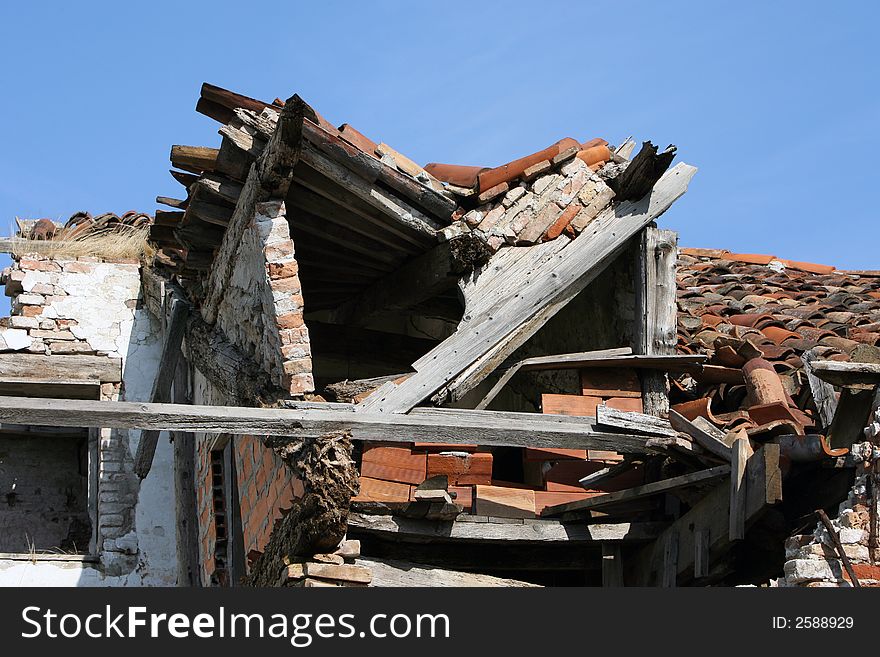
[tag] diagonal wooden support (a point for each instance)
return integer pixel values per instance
(543, 286)
(143, 460)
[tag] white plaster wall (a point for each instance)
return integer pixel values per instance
(100, 300)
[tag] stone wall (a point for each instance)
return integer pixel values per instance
(813, 561)
(89, 307)
(262, 309)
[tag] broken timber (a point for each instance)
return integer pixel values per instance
(318, 419)
(174, 332)
(546, 287)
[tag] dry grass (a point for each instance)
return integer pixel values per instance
(119, 243)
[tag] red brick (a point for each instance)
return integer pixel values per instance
(290, 321)
(283, 269)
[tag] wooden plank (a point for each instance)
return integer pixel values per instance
(269, 178)
(525, 531)
(824, 396)
(610, 382)
(392, 573)
(712, 514)
(543, 291)
(185, 501)
(392, 206)
(56, 367)
(846, 374)
(548, 498)
(577, 405)
(437, 425)
(633, 422)
(656, 310)
(612, 566)
(702, 438)
(174, 331)
(670, 561)
(740, 453)
(654, 488)
(702, 556)
(562, 361)
(194, 159)
(503, 502)
(17, 387)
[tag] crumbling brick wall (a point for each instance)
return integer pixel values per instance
(85, 306)
(262, 309)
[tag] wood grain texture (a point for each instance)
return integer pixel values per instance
(543, 289)
(440, 425)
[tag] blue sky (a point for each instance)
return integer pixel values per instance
(776, 103)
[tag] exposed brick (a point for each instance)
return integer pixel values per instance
(290, 320)
(283, 269)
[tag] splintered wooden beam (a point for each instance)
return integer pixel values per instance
(458, 426)
(638, 492)
(161, 392)
(633, 422)
(703, 438)
(194, 159)
(543, 288)
(705, 529)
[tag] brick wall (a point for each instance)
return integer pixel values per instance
(262, 308)
(266, 487)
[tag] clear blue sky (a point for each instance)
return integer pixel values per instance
(776, 103)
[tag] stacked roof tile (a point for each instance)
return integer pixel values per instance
(80, 224)
(745, 308)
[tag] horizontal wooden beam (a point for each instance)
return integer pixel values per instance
(487, 529)
(315, 420)
(70, 368)
(846, 374)
(637, 492)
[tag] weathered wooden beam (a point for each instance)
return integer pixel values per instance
(542, 290)
(185, 501)
(740, 453)
(174, 332)
(194, 159)
(846, 375)
(711, 515)
(824, 396)
(315, 420)
(393, 573)
(638, 492)
(420, 279)
(656, 311)
(704, 439)
(633, 422)
(56, 367)
(487, 529)
(612, 565)
(269, 178)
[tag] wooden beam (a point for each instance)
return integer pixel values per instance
(420, 279)
(612, 566)
(269, 178)
(315, 420)
(485, 529)
(704, 439)
(824, 396)
(740, 453)
(393, 573)
(542, 290)
(633, 422)
(71, 368)
(638, 492)
(712, 514)
(846, 375)
(656, 311)
(174, 331)
(185, 502)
